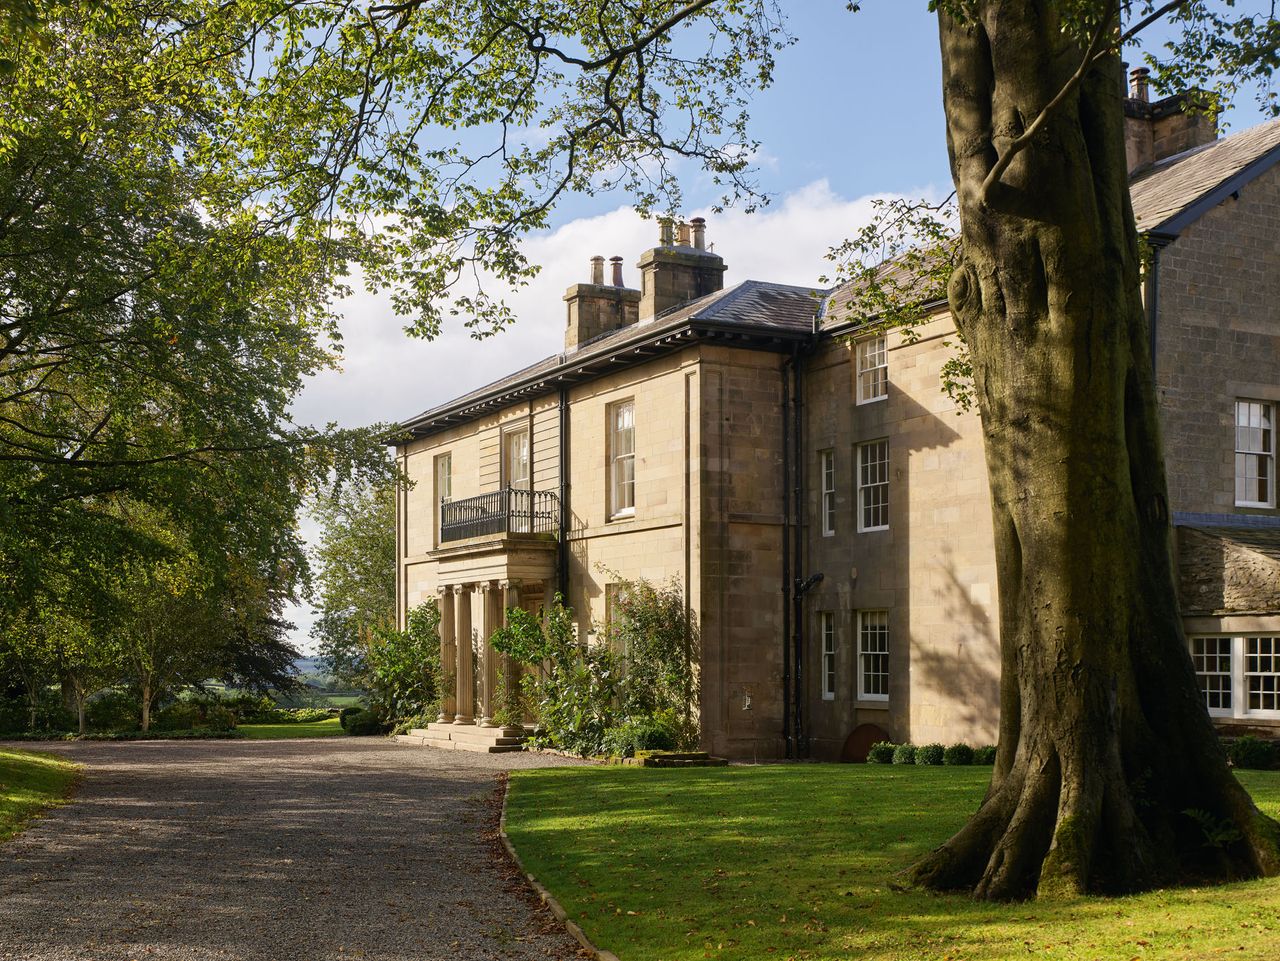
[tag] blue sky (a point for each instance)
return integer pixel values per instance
(855, 113)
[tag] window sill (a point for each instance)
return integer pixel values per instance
(872, 530)
(872, 703)
(870, 400)
(1255, 506)
(623, 515)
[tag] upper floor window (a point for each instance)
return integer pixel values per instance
(1238, 676)
(622, 458)
(827, 466)
(873, 486)
(827, 626)
(515, 458)
(444, 477)
(873, 655)
(1255, 454)
(873, 370)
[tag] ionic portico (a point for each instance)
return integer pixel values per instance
(470, 613)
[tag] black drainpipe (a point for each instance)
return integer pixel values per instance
(788, 746)
(562, 548)
(1153, 307)
(797, 607)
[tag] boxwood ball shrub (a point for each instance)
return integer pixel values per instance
(1252, 752)
(904, 754)
(639, 734)
(985, 755)
(958, 754)
(361, 723)
(881, 752)
(930, 754)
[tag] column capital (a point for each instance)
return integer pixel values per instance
(486, 587)
(459, 589)
(509, 584)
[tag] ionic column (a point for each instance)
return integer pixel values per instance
(489, 666)
(510, 594)
(448, 654)
(465, 705)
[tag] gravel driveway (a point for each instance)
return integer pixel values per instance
(310, 849)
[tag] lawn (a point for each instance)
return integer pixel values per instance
(795, 861)
(329, 727)
(30, 783)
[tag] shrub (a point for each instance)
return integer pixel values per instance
(345, 713)
(881, 752)
(362, 723)
(904, 754)
(1252, 752)
(638, 734)
(958, 754)
(219, 718)
(930, 754)
(985, 755)
(112, 710)
(178, 716)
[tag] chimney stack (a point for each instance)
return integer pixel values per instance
(1138, 81)
(598, 308)
(1154, 131)
(672, 275)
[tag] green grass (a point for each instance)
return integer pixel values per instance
(29, 784)
(796, 862)
(329, 727)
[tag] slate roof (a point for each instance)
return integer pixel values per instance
(1168, 194)
(753, 306)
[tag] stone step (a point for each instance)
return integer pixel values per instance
(491, 735)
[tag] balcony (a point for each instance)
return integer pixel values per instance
(507, 511)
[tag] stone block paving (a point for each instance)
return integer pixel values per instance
(317, 850)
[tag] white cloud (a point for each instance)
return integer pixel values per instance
(388, 376)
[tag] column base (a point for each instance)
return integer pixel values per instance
(463, 719)
(487, 722)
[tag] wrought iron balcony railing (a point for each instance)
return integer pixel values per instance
(507, 511)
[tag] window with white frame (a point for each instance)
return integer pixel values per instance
(873, 486)
(827, 467)
(515, 458)
(873, 370)
(1239, 676)
(622, 458)
(1255, 454)
(444, 477)
(873, 655)
(827, 628)
(1212, 659)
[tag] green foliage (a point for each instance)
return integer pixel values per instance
(881, 752)
(404, 666)
(657, 638)
(30, 783)
(1218, 832)
(958, 754)
(1252, 752)
(984, 755)
(575, 694)
(355, 564)
(362, 723)
(904, 754)
(930, 754)
(646, 734)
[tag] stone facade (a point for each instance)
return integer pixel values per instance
(751, 454)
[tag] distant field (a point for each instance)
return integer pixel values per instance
(30, 783)
(275, 732)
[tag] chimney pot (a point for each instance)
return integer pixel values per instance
(597, 270)
(699, 233)
(1138, 80)
(683, 234)
(665, 232)
(617, 271)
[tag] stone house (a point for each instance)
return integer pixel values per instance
(745, 440)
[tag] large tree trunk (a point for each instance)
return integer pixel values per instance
(147, 695)
(1109, 775)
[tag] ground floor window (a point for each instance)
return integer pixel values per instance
(873, 655)
(827, 626)
(1239, 676)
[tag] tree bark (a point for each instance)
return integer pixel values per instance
(146, 703)
(1109, 776)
